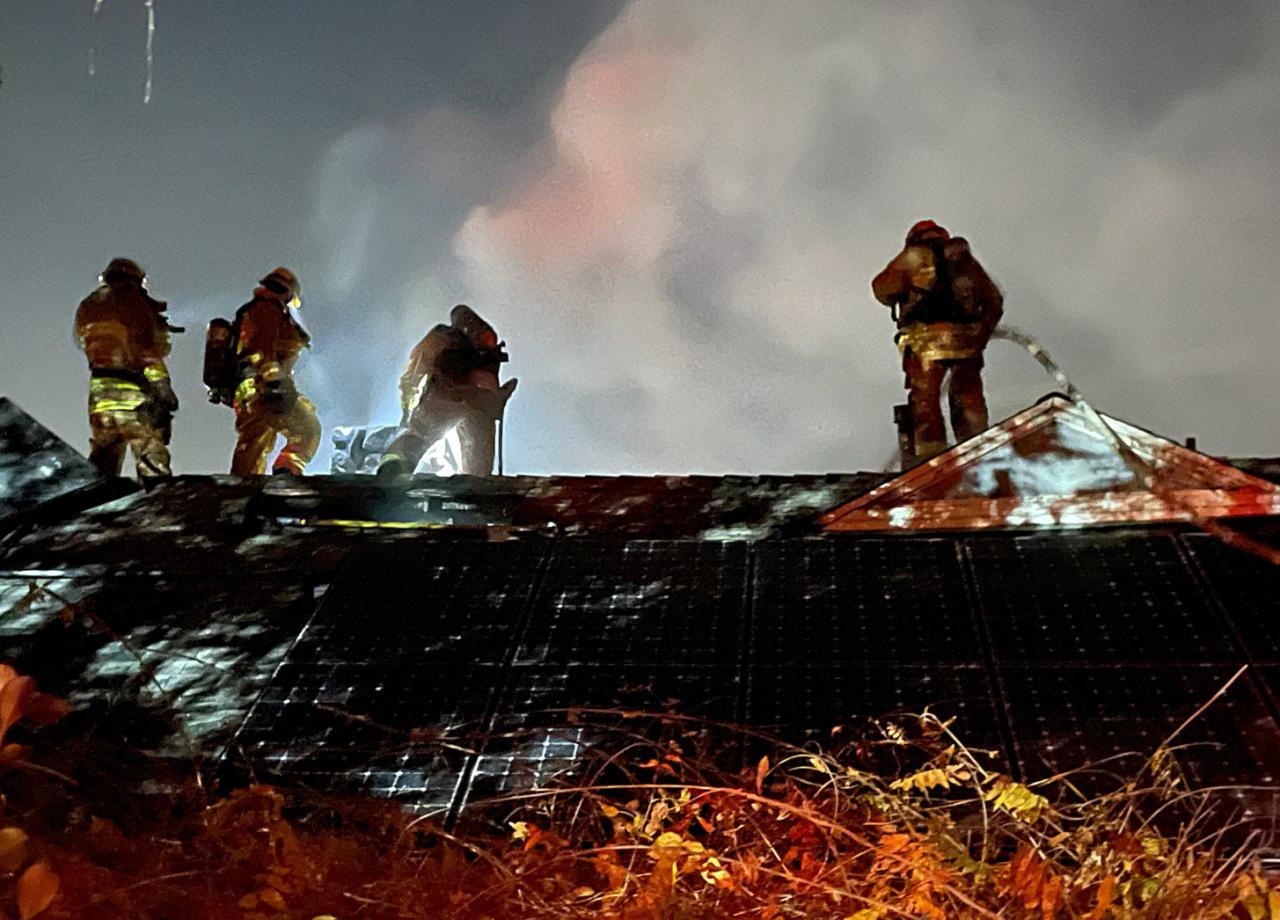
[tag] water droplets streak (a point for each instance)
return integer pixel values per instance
(151, 34)
(150, 7)
(93, 46)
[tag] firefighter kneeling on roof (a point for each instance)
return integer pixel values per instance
(946, 307)
(125, 335)
(259, 349)
(451, 380)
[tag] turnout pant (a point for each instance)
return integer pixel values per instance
(431, 420)
(968, 406)
(119, 421)
(260, 420)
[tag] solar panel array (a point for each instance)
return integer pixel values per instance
(441, 672)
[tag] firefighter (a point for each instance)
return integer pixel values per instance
(124, 333)
(451, 380)
(946, 307)
(268, 340)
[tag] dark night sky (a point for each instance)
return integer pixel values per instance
(671, 209)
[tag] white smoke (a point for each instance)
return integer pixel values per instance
(682, 271)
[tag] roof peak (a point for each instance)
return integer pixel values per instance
(1059, 463)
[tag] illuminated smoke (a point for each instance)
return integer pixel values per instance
(682, 269)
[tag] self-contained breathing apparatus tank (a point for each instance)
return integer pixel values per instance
(219, 361)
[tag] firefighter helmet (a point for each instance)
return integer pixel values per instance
(119, 270)
(476, 329)
(284, 284)
(926, 229)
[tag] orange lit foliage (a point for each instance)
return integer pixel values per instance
(659, 834)
(36, 884)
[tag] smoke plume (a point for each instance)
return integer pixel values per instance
(681, 264)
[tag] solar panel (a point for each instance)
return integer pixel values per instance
(1268, 677)
(1096, 598)
(900, 600)
(439, 671)
(1066, 716)
(640, 602)
(389, 688)
(549, 718)
(800, 703)
(394, 730)
(427, 602)
(1249, 590)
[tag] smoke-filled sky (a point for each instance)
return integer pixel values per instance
(670, 209)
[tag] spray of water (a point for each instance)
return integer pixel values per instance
(151, 34)
(1144, 471)
(93, 45)
(150, 7)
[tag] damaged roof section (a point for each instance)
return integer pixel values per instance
(187, 524)
(1056, 465)
(35, 464)
(656, 507)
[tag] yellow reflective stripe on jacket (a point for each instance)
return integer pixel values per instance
(112, 404)
(155, 372)
(115, 405)
(98, 384)
(246, 389)
(111, 394)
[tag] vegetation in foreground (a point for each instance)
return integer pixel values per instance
(902, 820)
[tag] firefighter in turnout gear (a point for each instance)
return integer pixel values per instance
(267, 342)
(125, 335)
(946, 307)
(451, 380)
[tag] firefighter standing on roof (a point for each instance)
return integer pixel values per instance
(268, 340)
(946, 307)
(125, 335)
(451, 380)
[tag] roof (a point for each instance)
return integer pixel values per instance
(691, 507)
(436, 662)
(36, 465)
(1059, 464)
